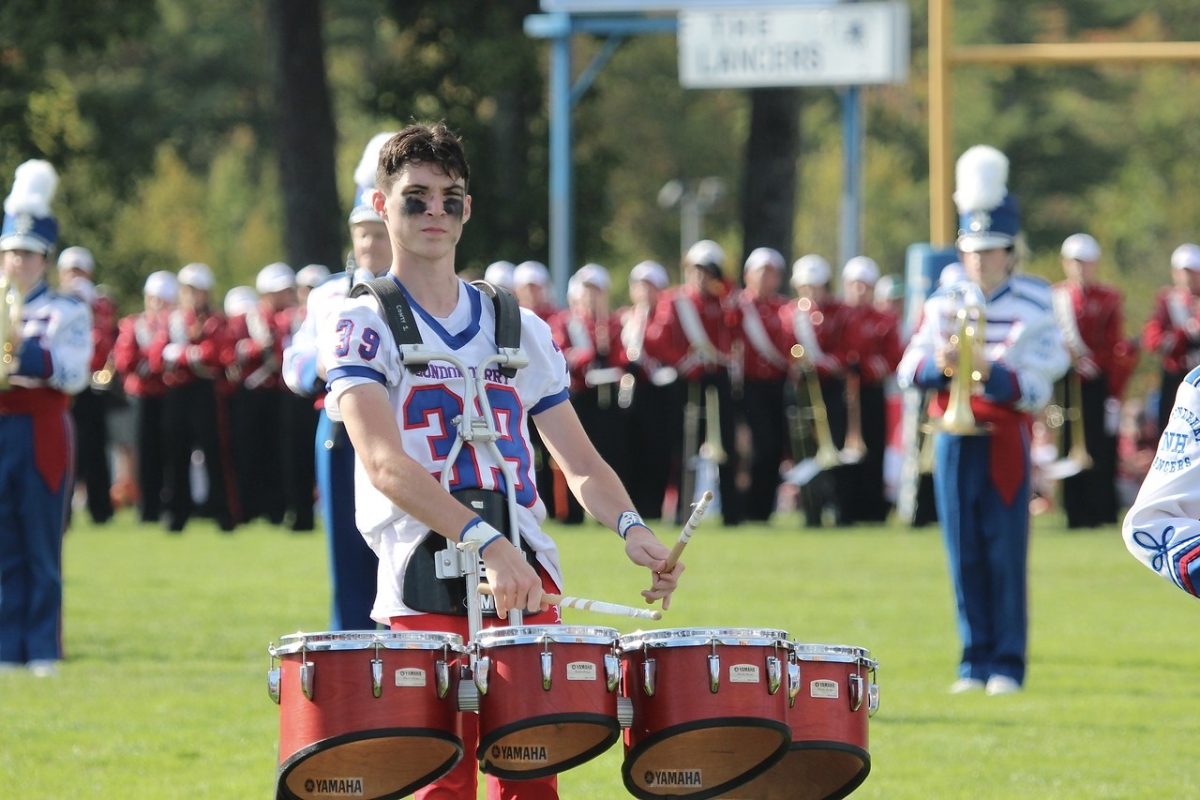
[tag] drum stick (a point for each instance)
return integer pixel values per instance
(688, 529)
(596, 606)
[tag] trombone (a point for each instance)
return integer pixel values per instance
(855, 447)
(11, 304)
(712, 449)
(827, 454)
(1070, 417)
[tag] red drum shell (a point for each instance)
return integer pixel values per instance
(687, 741)
(528, 732)
(347, 740)
(829, 757)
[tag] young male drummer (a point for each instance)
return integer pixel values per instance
(400, 423)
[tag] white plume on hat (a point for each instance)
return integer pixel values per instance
(34, 185)
(651, 272)
(980, 179)
(368, 164)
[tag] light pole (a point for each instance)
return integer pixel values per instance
(694, 198)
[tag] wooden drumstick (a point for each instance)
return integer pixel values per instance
(688, 529)
(597, 606)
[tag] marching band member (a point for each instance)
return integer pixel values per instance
(307, 279)
(766, 364)
(397, 416)
(873, 351)
(45, 351)
(352, 565)
(254, 356)
(89, 410)
(1092, 319)
(531, 285)
(651, 392)
(589, 337)
(195, 413)
(697, 328)
(817, 321)
(982, 476)
(1173, 330)
(145, 388)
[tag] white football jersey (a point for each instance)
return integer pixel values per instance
(1161, 528)
(300, 356)
(357, 347)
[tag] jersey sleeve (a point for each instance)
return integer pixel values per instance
(1161, 529)
(356, 346)
(547, 371)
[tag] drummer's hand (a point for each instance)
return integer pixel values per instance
(514, 583)
(645, 550)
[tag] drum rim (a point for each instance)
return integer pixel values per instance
(535, 634)
(836, 653)
(322, 641)
(701, 637)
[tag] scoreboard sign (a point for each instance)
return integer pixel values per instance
(838, 45)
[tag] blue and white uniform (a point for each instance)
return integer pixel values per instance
(359, 348)
(36, 468)
(1161, 529)
(352, 565)
(982, 483)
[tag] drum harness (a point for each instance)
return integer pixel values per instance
(446, 594)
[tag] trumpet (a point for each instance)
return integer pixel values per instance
(959, 419)
(11, 303)
(711, 449)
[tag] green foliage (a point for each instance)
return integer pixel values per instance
(163, 694)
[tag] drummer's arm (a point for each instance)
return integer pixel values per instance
(371, 423)
(600, 492)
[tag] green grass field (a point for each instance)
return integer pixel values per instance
(163, 694)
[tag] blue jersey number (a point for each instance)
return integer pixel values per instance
(435, 408)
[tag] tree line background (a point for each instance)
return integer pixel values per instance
(226, 132)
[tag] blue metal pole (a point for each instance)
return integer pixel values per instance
(850, 226)
(561, 189)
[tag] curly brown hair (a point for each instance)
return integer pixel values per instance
(425, 144)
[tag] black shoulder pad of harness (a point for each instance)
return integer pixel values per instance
(508, 319)
(396, 308)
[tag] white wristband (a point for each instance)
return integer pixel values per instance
(627, 520)
(479, 534)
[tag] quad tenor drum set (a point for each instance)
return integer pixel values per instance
(701, 712)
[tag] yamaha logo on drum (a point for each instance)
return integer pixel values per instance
(535, 753)
(673, 777)
(337, 787)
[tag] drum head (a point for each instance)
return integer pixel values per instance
(536, 634)
(810, 771)
(703, 637)
(378, 764)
